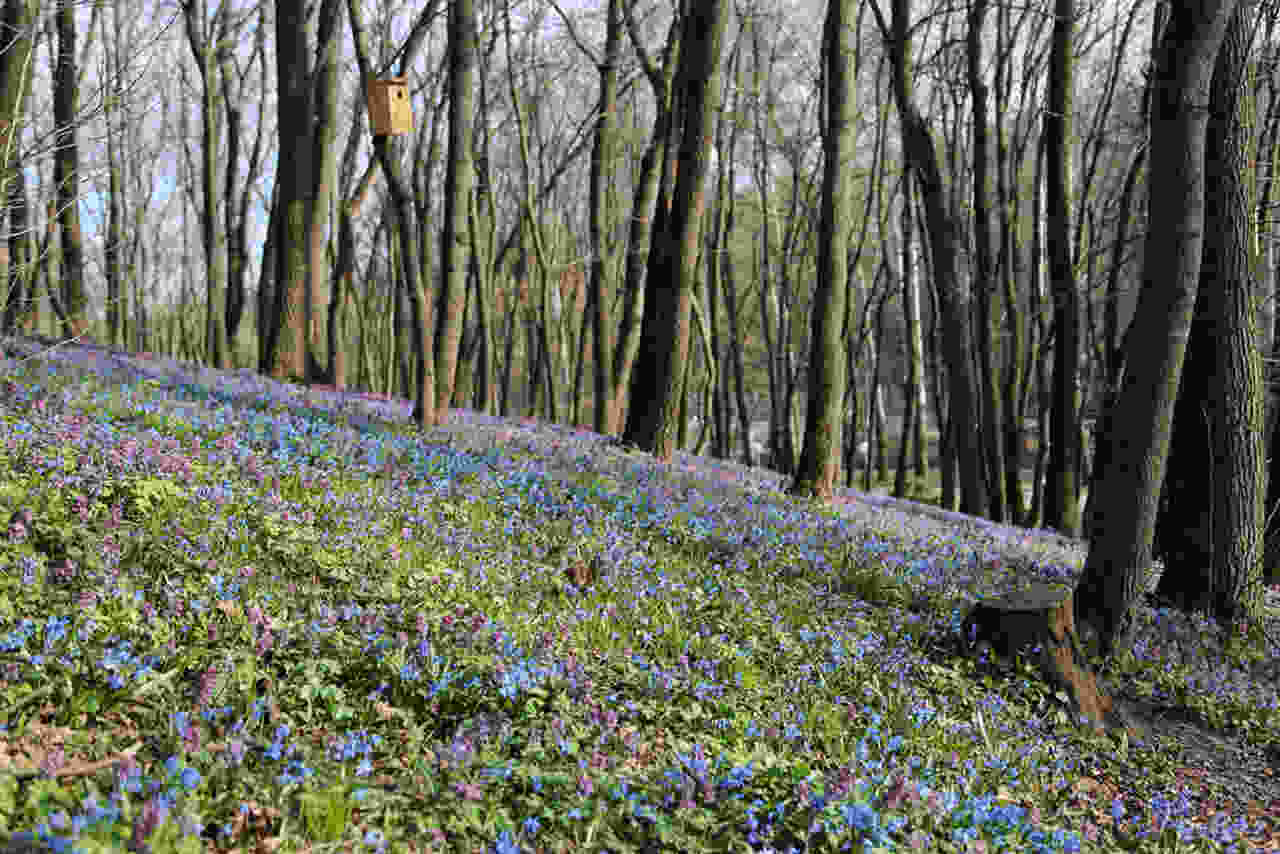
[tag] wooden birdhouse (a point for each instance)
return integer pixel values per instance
(390, 113)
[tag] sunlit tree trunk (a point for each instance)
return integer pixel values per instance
(113, 249)
(455, 238)
(324, 180)
(203, 32)
(913, 427)
(240, 195)
(602, 162)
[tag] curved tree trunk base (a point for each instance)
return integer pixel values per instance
(1043, 617)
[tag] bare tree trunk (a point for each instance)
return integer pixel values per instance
(1017, 371)
(913, 427)
(238, 208)
(66, 174)
(113, 246)
(24, 298)
(644, 218)
(203, 32)
(508, 351)
(722, 437)
(420, 322)
(482, 224)
(1267, 157)
(602, 161)
(288, 356)
(342, 287)
(459, 179)
(269, 305)
(733, 315)
(424, 207)
(1219, 415)
(324, 179)
(953, 294)
(985, 275)
(655, 385)
(18, 18)
(1062, 491)
(1140, 420)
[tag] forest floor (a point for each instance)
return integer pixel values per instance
(238, 615)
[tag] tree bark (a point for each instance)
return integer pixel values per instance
(1062, 491)
(1214, 548)
(1040, 623)
(913, 428)
(113, 249)
(459, 179)
(238, 207)
(66, 174)
(644, 218)
(420, 307)
(1139, 421)
(818, 473)
(602, 161)
(953, 294)
(324, 179)
(991, 436)
(23, 297)
(269, 307)
(15, 81)
(203, 32)
(655, 384)
(288, 356)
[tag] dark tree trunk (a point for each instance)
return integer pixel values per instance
(1138, 424)
(953, 293)
(293, 179)
(655, 385)
(987, 287)
(1213, 548)
(818, 473)
(1062, 492)
(66, 174)
(459, 179)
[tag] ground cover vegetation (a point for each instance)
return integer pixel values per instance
(236, 616)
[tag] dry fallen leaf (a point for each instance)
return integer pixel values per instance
(580, 573)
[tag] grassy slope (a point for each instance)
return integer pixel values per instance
(233, 618)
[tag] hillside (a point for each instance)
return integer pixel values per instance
(238, 616)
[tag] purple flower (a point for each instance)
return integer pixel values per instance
(144, 824)
(54, 760)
